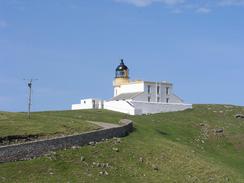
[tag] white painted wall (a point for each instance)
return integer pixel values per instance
(139, 105)
(154, 95)
(152, 108)
(133, 87)
(119, 106)
(87, 104)
(175, 99)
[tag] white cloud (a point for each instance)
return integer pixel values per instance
(178, 6)
(231, 2)
(142, 3)
(203, 10)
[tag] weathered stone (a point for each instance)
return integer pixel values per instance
(219, 130)
(155, 167)
(115, 149)
(116, 140)
(82, 158)
(42, 147)
(92, 143)
(239, 116)
(103, 173)
(75, 147)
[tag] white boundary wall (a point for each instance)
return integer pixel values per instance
(152, 108)
(138, 108)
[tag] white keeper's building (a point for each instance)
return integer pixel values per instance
(136, 97)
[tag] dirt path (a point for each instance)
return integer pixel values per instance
(104, 125)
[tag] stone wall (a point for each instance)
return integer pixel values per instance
(42, 147)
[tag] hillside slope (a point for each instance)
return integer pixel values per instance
(205, 144)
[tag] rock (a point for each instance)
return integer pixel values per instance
(92, 143)
(106, 173)
(155, 167)
(82, 158)
(115, 149)
(75, 147)
(103, 173)
(219, 130)
(239, 116)
(116, 140)
(141, 159)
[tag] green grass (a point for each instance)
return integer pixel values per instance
(46, 123)
(182, 145)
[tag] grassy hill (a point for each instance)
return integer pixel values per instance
(45, 124)
(205, 144)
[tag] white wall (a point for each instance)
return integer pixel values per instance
(175, 99)
(87, 104)
(151, 108)
(119, 106)
(172, 98)
(129, 88)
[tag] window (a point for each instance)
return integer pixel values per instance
(167, 100)
(84, 102)
(158, 99)
(167, 90)
(148, 89)
(120, 74)
(149, 99)
(158, 89)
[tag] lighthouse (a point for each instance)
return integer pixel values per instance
(136, 97)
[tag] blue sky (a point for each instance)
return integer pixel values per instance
(73, 47)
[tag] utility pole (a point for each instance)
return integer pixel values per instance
(30, 96)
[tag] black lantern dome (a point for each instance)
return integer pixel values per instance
(122, 70)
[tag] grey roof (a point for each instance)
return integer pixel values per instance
(126, 96)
